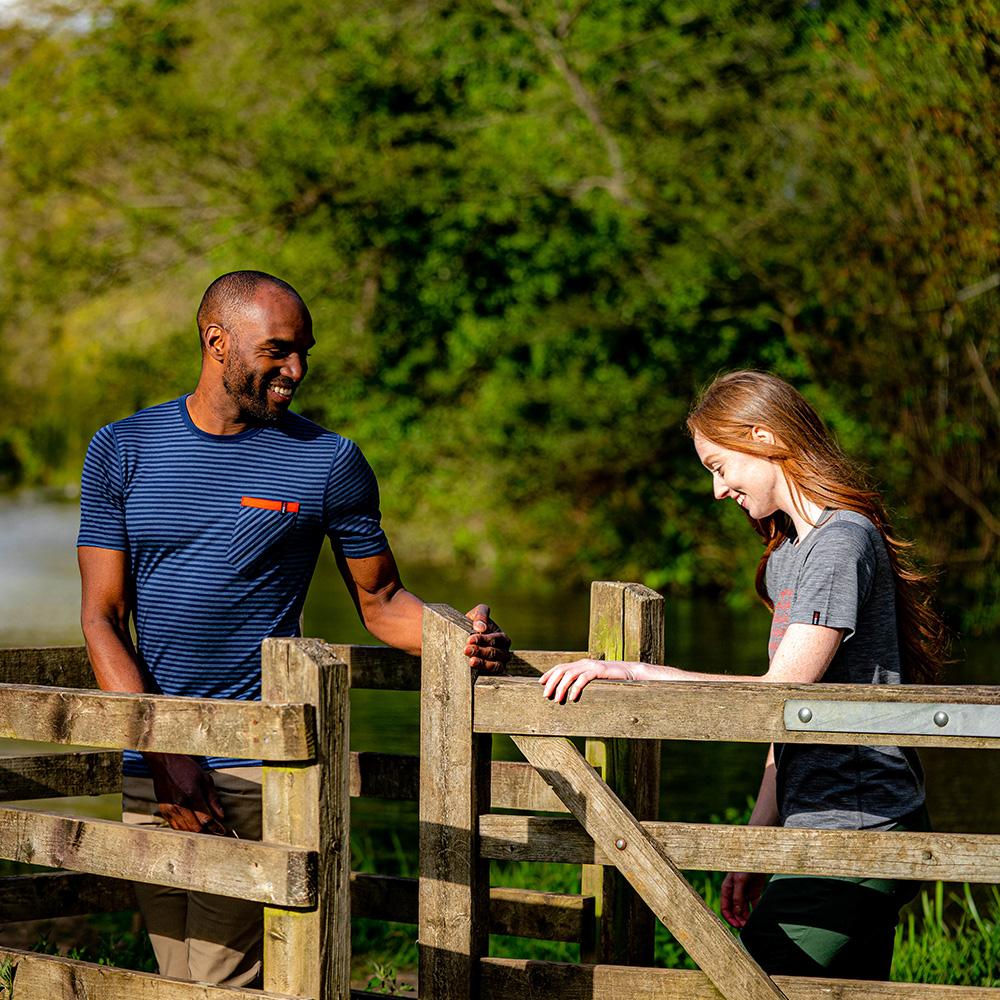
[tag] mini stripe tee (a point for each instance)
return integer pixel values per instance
(222, 534)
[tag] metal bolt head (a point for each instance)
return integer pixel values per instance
(621, 843)
(805, 714)
(940, 719)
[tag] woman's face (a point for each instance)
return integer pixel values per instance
(756, 484)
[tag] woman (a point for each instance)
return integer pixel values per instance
(848, 607)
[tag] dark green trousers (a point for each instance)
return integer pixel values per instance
(840, 928)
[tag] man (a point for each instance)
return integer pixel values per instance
(203, 519)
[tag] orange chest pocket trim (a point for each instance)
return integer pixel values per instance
(285, 506)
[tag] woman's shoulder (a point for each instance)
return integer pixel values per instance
(847, 533)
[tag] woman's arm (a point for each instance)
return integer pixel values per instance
(802, 658)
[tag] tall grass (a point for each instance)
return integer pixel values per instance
(950, 939)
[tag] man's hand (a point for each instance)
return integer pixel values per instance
(488, 647)
(186, 794)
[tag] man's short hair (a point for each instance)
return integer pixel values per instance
(231, 293)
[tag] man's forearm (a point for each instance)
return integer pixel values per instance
(398, 621)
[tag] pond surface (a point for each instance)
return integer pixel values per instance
(39, 605)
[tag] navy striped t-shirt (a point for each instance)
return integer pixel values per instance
(222, 534)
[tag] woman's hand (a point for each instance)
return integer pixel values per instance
(740, 892)
(571, 678)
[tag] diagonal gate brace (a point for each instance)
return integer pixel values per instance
(652, 874)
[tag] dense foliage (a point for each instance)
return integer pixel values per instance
(528, 233)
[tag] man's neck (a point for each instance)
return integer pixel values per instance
(215, 413)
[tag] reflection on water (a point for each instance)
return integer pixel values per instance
(39, 601)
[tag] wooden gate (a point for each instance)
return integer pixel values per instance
(459, 834)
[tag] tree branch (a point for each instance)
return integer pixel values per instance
(617, 184)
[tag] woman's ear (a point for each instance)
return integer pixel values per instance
(762, 435)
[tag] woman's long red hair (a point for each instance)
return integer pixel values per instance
(816, 468)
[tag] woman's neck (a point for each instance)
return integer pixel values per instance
(804, 513)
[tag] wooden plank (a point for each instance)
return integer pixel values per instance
(383, 668)
(54, 666)
(945, 857)
(516, 785)
(606, 641)
(47, 776)
(551, 916)
(454, 792)
(548, 916)
(268, 873)
(384, 775)
(626, 622)
(201, 726)
(54, 978)
(698, 930)
(733, 711)
(45, 895)
(514, 979)
(308, 952)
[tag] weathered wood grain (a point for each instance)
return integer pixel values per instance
(946, 857)
(48, 977)
(45, 895)
(268, 873)
(548, 916)
(698, 930)
(551, 916)
(516, 785)
(308, 952)
(735, 711)
(199, 726)
(626, 622)
(519, 979)
(454, 792)
(54, 666)
(383, 668)
(47, 776)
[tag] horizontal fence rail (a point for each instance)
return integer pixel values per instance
(515, 979)
(946, 857)
(268, 873)
(55, 978)
(44, 776)
(158, 723)
(383, 668)
(731, 711)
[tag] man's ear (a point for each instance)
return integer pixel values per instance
(216, 339)
(762, 435)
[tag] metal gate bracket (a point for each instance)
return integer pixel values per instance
(892, 719)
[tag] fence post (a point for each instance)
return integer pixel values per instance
(308, 952)
(626, 623)
(454, 792)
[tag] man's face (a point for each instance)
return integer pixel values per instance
(267, 355)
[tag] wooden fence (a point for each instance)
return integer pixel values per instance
(472, 810)
(301, 869)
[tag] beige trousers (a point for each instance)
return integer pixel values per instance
(196, 935)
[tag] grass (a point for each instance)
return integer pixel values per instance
(950, 938)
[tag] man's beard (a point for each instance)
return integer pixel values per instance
(248, 391)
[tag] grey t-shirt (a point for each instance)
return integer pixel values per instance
(840, 576)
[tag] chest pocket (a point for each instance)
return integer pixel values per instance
(260, 526)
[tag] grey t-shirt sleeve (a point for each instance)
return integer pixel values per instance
(835, 578)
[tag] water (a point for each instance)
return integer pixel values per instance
(39, 605)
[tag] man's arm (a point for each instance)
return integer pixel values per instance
(395, 616)
(184, 790)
